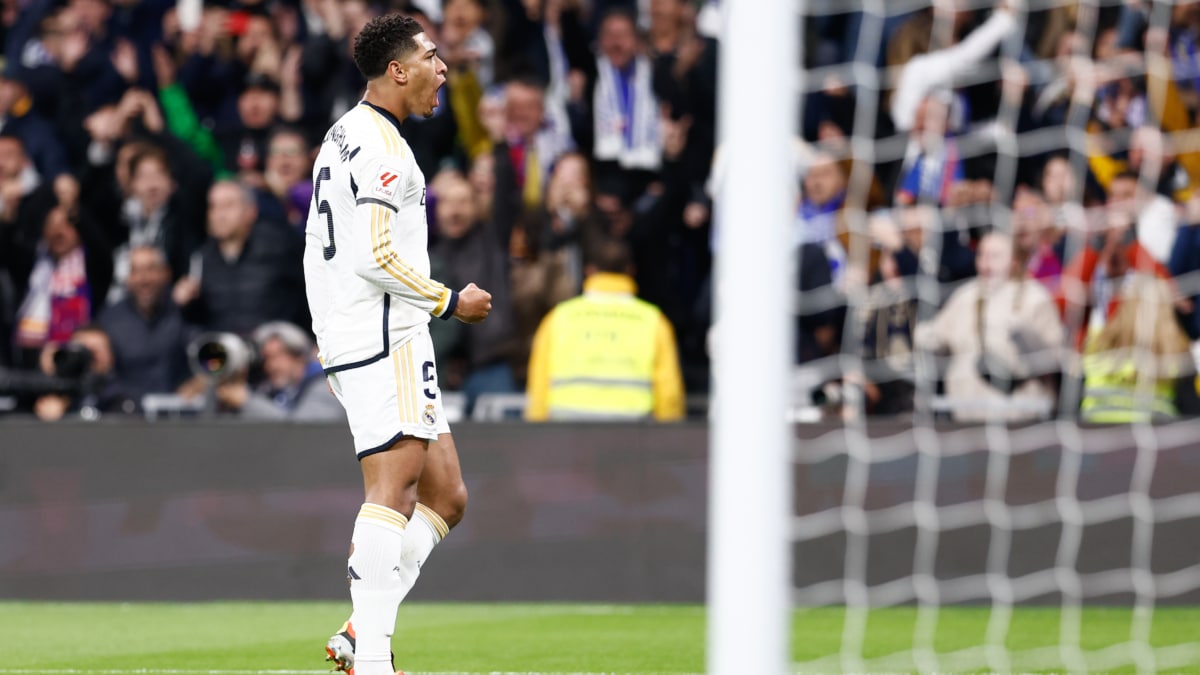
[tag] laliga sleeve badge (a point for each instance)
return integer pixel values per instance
(386, 183)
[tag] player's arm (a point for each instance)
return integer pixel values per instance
(374, 258)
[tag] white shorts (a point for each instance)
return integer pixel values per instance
(393, 397)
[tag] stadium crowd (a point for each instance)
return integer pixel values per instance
(1037, 163)
(157, 174)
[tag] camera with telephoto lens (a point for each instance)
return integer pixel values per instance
(72, 375)
(72, 361)
(221, 356)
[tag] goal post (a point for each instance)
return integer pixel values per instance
(749, 542)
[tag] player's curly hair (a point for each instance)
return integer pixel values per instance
(384, 39)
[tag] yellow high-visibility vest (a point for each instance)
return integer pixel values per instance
(1112, 395)
(602, 357)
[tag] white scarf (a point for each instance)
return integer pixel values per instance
(645, 150)
(143, 231)
(50, 279)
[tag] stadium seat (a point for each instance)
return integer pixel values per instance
(498, 407)
(170, 406)
(947, 405)
(455, 405)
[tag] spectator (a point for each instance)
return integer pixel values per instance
(24, 203)
(87, 359)
(78, 46)
(25, 199)
(685, 85)
(482, 176)
(465, 39)
(628, 148)
(66, 278)
(249, 269)
(153, 215)
(822, 196)
(1131, 366)
(206, 62)
(118, 133)
(269, 93)
(821, 313)
(1037, 243)
(1092, 279)
(529, 149)
(1121, 104)
(1185, 264)
(1169, 81)
(18, 118)
(244, 141)
(1002, 334)
(333, 82)
(932, 172)
(1061, 193)
(1147, 157)
(889, 320)
(468, 248)
(570, 69)
(236, 45)
(148, 335)
(927, 69)
(548, 247)
(670, 235)
(293, 386)
(913, 226)
(288, 177)
(180, 113)
(605, 354)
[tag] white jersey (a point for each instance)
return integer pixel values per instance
(366, 262)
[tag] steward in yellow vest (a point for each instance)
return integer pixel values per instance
(605, 355)
(1115, 393)
(1131, 364)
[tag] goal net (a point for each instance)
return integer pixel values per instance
(996, 460)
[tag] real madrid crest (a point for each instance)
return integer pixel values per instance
(429, 416)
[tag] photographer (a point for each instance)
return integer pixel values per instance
(293, 384)
(1002, 334)
(86, 364)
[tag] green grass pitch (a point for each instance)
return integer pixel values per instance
(278, 638)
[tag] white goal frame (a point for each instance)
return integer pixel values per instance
(750, 477)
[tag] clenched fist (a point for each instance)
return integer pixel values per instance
(474, 303)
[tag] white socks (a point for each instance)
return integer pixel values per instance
(376, 586)
(386, 560)
(427, 531)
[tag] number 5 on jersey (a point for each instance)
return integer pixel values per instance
(323, 208)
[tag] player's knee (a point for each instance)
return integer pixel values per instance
(455, 504)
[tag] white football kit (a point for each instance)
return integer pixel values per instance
(366, 270)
